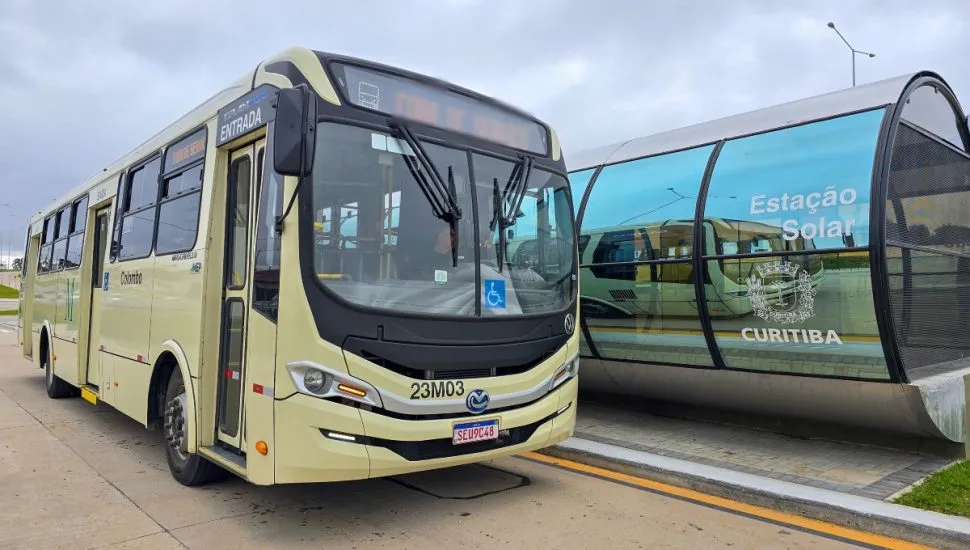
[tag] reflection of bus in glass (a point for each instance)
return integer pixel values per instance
(614, 285)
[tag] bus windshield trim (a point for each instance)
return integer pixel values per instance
(365, 209)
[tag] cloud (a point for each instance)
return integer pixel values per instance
(85, 82)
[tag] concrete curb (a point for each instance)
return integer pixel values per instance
(874, 516)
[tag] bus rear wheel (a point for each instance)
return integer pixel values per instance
(187, 468)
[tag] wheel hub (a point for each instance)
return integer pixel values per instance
(175, 425)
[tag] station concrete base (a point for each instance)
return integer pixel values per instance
(729, 442)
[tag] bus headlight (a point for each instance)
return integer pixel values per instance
(314, 380)
(568, 370)
(318, 380)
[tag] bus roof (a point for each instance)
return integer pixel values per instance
(208, 109)
(437, 81)
(193, 119)
(858, 98)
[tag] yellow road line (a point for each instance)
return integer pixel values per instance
(817, 526)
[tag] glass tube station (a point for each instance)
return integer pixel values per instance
(810, 260)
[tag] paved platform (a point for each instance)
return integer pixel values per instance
(843, 483)
(82, 476)
(856, 512)
(860, 470)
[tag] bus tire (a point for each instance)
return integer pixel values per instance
(187, 468)
(56, 388)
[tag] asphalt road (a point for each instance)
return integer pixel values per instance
(79, 476)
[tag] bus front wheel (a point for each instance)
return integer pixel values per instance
(56, 388)
(188, 468)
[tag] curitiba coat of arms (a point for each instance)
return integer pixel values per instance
(780, 294)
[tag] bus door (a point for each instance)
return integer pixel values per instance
(237, 282)
(29, 273)
(97, 294)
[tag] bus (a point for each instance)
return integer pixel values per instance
(615, 285)
(306, 279)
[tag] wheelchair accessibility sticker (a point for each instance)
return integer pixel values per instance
(494, 293)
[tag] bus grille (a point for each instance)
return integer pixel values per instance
(456, 374)
(450, 374)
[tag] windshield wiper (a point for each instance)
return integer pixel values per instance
(444, 203)
(443, 199)
(454, 221)
(498, 217)
(518, 184)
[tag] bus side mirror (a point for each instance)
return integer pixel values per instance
(294, 132)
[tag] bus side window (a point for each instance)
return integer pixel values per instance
(44, 258)
(60, 239)
(135, 220)
(266, 272)
(23, 262)
(75, 238)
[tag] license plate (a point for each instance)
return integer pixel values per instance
(470, 432)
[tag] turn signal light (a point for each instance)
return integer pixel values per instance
(262, 448)
(352, 390)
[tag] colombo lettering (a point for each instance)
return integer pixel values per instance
(821, 227)
(805, 336)
(130, 278)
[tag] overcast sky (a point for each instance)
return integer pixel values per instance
(82, 83)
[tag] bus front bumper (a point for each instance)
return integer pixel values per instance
(319, 440)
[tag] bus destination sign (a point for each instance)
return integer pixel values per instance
(185, 152)
(245, 114)
(440, 108)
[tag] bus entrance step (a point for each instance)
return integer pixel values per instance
(235, 462)
(90, 394)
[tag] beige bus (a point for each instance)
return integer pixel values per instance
(307, 279)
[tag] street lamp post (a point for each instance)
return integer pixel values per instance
(854, 51)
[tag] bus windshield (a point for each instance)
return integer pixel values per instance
(378, 243)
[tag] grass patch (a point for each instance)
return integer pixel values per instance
(947, 491)
(8, 312)
(7, 292)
